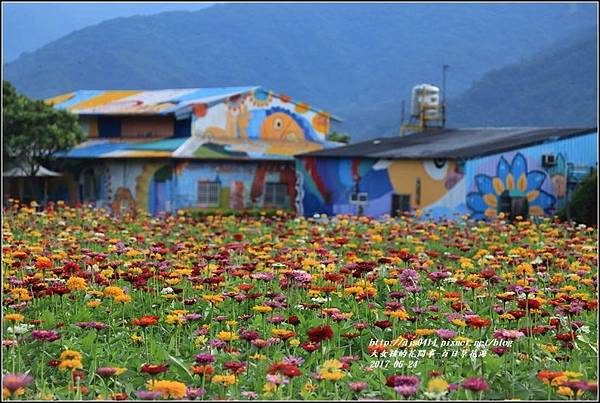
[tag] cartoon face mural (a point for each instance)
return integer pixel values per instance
(327, 184)
(517, 180)
(425, 181)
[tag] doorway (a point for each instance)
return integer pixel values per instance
(400, 204)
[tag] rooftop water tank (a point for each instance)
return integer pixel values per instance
(426, 97)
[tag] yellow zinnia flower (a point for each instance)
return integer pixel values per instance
(262, 308)
(213, 299)
(76, 283)
(14, 317)
(169, 389)
(70, 364)
(112, 291)
(124, 298)
(94, 303)
(225, 379)
(70, 355)
(437, 385)
(227, 336)
(20, 294)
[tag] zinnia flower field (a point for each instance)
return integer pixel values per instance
(98, 306)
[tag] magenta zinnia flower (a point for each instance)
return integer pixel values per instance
(94, 325)
(409, 277)
(194, 393)
(476, 384)
(406, 385)
(147, 395)
(502, 334)
(45, 335)
(205, 358)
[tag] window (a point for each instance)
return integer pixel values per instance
(275, 194)
(209, 194)
(359, 197)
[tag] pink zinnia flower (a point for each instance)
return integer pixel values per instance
(357, 386)
(14, 382)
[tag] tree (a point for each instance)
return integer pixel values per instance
(339, 137)
(33, 131)
(584, 202)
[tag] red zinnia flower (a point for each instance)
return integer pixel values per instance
(566, 336)
(517, 314)
(310, 347)
(277, 367)
(459, 306)
(383, 324)
(318, 334)
(478, 323)
(291, 371)
(154, 369)
(235, 367)
(119, 396)
(531, 303)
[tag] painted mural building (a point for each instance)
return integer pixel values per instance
(477, 172)
(164, 150)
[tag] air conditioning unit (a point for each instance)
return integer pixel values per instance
(548, 160)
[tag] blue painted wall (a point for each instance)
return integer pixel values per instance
(451, 189)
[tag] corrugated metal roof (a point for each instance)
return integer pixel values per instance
(98, 102)
(153, 102)
(452, 143)
(170, 144)
(113, 148)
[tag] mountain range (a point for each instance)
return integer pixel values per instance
(354, 60)
(556, 87)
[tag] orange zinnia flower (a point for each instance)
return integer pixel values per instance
(203, 370)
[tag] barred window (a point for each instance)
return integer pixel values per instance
(208, 193)
(275, 194)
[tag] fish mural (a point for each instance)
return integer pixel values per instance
(260, 124)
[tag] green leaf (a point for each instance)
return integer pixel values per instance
(88, 341)
(492, 364)
(181, 365)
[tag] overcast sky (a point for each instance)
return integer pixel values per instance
(29, 26)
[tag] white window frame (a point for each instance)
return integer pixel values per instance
(209, 194)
